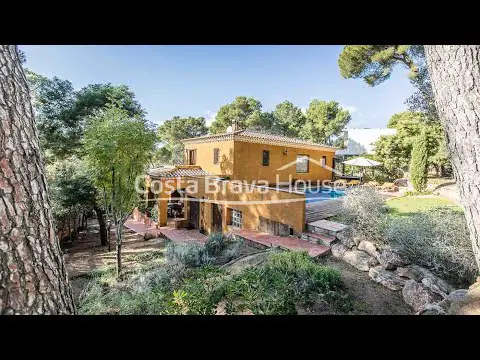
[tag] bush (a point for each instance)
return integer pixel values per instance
(221, 248)
(275, 288)
(365, 211)
(438, 240)
(154, 213)
(188, 254)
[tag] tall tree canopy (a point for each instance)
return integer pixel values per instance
(170, 134)
(324, 121)
(118, 147)
(62, 112)
(246, 111)
(33, 277)
(375, 63)
(395, 151)
(288, 119)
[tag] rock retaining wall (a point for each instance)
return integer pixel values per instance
(425, 292)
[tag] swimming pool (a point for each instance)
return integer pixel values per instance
(321, 194)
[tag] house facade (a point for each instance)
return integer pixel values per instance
(251, 156)
(245, 170)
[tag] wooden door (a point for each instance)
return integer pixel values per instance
(216, 218)
(194, 213)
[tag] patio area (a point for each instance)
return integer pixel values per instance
(179, 235)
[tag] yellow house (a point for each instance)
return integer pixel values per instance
(252, 156)
(245, 169)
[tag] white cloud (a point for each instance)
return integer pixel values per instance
(350, 108)
(304, 111)
(210, 117)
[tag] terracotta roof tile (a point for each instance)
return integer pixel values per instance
(257, 136)
(178, 171)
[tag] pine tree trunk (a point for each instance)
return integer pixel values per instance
(33, 278)
(101, 223)
(455, 75)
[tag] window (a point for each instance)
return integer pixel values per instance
(324, 160)
(216, 155)
(236, 218)
(192, 157)
(302, 163)
(266, 158)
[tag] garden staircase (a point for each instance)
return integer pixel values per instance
(323, 232)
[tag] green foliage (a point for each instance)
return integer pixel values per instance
(117, 147)
(437, 239)
(395, 151)
(154, 213)
(289, 119)
(374, 63)
(418, 164)
(62, 112)
(187, 254)
(246, 111)
(286, 279)
(71, 188)
(275, 288)
(366, 213)
(219, 249)
(325, 119)
(170, 134)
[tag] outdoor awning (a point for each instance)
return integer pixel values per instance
(362, 162)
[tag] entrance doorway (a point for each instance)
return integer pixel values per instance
(217, 218)
(194, 213)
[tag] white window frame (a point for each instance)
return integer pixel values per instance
(237, 218)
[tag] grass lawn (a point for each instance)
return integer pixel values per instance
(409, 205)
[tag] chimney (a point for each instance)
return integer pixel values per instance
(235, 125)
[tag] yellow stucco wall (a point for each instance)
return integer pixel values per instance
(243, 161)
(289, 212)
(248, 163)
(205, 157)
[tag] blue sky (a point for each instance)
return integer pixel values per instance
(197, 80)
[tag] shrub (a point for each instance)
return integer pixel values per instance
(218, 249)
(188, 254)
(438, 240)
(221, 248)
(418, 164)
(276, 287)
(365, 211)
(154, 213)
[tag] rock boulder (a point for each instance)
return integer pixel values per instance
(457, 295)
(417, 295)
(387, 278)
(359, 259)
(437, 285)
(339, 250)
(391, 259)
(431, 309)
(238, 265)
(414, 272)
(369, 247)
(346, 238)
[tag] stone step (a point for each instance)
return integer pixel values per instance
(326, 227)
(319, 239)
(287, 243)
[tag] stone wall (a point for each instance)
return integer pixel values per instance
(425, 292)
